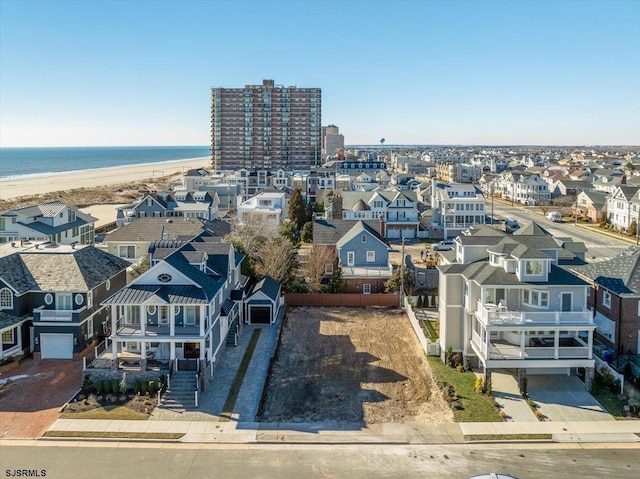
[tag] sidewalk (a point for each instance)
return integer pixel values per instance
(392, 433)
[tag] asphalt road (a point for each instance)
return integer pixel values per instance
(80, 460)
(599, 246)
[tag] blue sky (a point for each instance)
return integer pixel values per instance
(139, 73)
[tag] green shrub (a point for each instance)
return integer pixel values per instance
(136, 386)
(152, 387)
(162, 381)
(87, 384)
(100, 386)
(145, 387)
(523, 386)
(487, 387)
(115, 386)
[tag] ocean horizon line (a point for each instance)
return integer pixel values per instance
(67, 172)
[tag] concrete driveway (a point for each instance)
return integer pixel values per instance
(32, 394)
(564, 398)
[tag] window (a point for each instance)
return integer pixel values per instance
(494, 295)
(606, 299)
(79, 299)
(328, 268)
(89, 299)
(363, 238)
(6, 299)
(2, 224)
(366, 289)
(539, 299)
(7, 337)
(163, 315)
(151, 309)
(127, 251)
(132, 315)
(371, 256)
(190, 315)
(63, 301)
(533, 267)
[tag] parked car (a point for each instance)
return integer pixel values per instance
(554, 216)
(511, 226)
(444, 245)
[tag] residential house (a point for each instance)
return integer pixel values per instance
(620, 210)
(53, 221)
(507, 302)
(456, 207)
(183, 307)
(592, 204)
(56, 291)
(172, 204)
(615, 298)
(131, 242)
(359, 249)
(397, 209)
(268, 207)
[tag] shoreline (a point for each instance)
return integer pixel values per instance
(34, 184)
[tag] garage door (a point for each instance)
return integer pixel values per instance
(56, 346)
(409, 233)
(260, 315)
(393, 234)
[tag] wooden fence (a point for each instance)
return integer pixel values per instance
(347, 300)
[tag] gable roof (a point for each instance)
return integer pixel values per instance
(330, 231)
(532, 228)
(358, 229)
(268, 286)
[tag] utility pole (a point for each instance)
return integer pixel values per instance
(402, 277)
(492, 196)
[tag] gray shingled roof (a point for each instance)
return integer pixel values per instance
(78, 270)
(485, 274)
(330, 231)
(7, 320)
(358, 228)
(620, 274)
(152, 229)
(532, 228)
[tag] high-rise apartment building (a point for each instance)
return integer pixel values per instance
(266, 126)
(332, 140)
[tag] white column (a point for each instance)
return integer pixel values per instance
(523, 336)
(556, 343)
(202, 350)
(202, 319)
(172, 350)
(172, 323)
(114, 318)
(143, 320)
(590, 343)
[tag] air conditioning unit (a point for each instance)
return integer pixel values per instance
(433, 349)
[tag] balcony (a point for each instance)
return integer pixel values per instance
(366, 272)
(568, 348)
(125, 328)
(499, 315)
(55, 315)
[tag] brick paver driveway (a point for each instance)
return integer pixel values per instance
(28, 406)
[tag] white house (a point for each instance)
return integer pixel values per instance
(456, 207)
(52, 221)
(269, 208)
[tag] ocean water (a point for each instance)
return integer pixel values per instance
(38, 161)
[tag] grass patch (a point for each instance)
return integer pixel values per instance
(506, 437)
(115, 435)
(237, 381)
(429, 330)
(107, 412)
(475, 407)
(610, 402)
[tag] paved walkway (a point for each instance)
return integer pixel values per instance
(449, 433)
(212, 399)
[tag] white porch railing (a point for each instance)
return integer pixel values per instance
(497, 315)
(57, 314)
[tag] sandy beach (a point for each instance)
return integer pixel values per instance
(13, 188)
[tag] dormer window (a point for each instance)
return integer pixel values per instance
(533, 267)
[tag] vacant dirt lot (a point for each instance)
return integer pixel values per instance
(351, 365)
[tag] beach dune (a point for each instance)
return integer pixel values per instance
(33, 185)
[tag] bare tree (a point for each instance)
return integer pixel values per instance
(251, 235)
(276, 258)
(319, 257)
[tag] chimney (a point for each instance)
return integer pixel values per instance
(623, 180)
(336, 207)
(381, 229)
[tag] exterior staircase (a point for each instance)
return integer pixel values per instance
(180, 395)
(232, 335)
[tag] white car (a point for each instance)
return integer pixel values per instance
(445, 245)
(554, 216)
